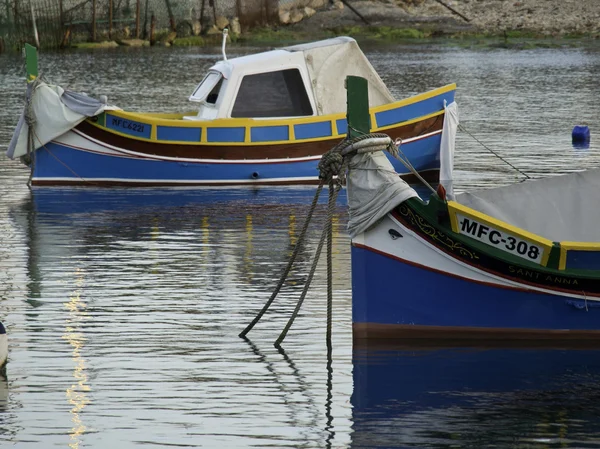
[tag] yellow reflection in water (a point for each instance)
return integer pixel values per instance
(292, 230)
(77, 393)
(248, 254)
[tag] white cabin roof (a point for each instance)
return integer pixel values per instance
(324, 65)
(278, 56)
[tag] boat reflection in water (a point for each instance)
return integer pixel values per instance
(476, 397)
(211, 237)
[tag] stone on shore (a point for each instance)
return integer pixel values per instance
(296, 16)
(134, 43)
(222, 22)
(308, 12)
(104, 44)
(235, 26)
(284, 17)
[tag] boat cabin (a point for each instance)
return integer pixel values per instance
(298, 81)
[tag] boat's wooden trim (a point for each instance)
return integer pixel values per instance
(176, 119)
(455, 209)
(414, 99)
(229, 152)
(493, 261)
(566, 247)
(373, 335)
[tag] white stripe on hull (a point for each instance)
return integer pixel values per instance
(177, 181)
(77, 140)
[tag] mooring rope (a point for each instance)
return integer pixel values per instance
(332, 170)
(31, 120)
(463, 129)
(285, 273)
(333, 192)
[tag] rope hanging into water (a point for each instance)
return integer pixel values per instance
(463, 129)
(332, 170)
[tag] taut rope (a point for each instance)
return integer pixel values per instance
(332, 170)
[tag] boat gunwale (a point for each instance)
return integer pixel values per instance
(154, 120)
(564, 245)
(425, 211)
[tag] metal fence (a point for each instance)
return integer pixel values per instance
(58, 21)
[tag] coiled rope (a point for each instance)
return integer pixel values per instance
(332, 171)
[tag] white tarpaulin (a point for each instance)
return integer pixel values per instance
(559, 208)
(54, 111)
(374, 189)
(447, 148)
(329, 62)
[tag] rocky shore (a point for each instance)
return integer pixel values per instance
(535, 18)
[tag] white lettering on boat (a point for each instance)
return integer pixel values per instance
(524, 273)
(497, 238)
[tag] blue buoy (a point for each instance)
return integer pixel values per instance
(581, 133)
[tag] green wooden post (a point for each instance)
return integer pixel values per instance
(31, 62)
(357, 98)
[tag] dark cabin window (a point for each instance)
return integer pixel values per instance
(214, 94)
(272, 94)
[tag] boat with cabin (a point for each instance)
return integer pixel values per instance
(261, 119)
(514, 262)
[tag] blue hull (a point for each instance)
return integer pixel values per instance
(56, 163)
(390, 292)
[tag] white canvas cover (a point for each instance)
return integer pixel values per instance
(329, 62)
(447, 148)
(374, 189)
(55, 112)
(560, 208)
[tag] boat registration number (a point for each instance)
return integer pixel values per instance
(498, 239)
(128, 125)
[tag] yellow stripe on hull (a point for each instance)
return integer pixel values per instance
(168, 121)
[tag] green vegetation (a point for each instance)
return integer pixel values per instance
(381, 33)
(89, 45)
(272, 35)
(191, 41)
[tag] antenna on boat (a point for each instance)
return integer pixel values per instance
(225, 31)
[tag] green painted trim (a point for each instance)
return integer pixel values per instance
(435, 211)
(357, 98)
(31, 62)
(554, 259)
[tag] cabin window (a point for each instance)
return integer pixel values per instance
(208, 89)
(272, 94)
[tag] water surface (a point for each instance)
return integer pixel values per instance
(123, 306)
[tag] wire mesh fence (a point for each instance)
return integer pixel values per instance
(53, 23)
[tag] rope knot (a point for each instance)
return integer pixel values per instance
(30, 118)
(331, 165)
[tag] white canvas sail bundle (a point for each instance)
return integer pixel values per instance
(53, 111)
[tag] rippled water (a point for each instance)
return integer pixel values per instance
(123, 306)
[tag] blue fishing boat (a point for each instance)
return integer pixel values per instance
(521, 261)
(260, 119)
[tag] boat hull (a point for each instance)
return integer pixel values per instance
(407, 288)
(131, 149)
(75, 158)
